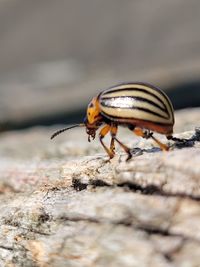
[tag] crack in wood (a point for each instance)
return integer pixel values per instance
(6, 248)
(133, 187)
(155, 190)
(150, 230)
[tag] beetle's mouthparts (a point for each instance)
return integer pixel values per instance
(91, 133)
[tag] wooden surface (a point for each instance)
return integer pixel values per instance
(62, 203)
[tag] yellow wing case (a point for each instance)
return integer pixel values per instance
(136, 101)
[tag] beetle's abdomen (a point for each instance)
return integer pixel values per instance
(137, 101)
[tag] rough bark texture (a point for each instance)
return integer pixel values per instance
(64, 204)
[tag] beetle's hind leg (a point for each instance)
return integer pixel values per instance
(147, 135)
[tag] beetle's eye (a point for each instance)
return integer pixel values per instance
(91, 105)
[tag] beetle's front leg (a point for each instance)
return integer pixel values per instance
(102, 134)
(113, 134)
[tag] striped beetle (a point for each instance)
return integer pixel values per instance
(141, 107)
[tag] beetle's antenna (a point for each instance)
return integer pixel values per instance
(65, 129)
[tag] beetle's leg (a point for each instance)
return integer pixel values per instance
(102, 134)
(144, 134)
(147, 135)
(112, 145)
(113, 132)
(161, 145)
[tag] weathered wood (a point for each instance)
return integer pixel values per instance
(64, 204)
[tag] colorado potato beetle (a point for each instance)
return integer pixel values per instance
(140, 107)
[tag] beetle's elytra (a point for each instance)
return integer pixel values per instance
(141, 107)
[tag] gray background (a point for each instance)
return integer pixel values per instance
(56, 55)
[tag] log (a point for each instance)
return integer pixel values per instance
(64, 204)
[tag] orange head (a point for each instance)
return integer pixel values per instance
(93, 112)
(91, 122)
(93, 118)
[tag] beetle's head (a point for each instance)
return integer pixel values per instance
(91, 122)
(93, 118)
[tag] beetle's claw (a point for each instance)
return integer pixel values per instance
(111, 155)
(129, 156)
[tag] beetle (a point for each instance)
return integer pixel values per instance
(141, 107)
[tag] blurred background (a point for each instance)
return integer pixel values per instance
(56, 55)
